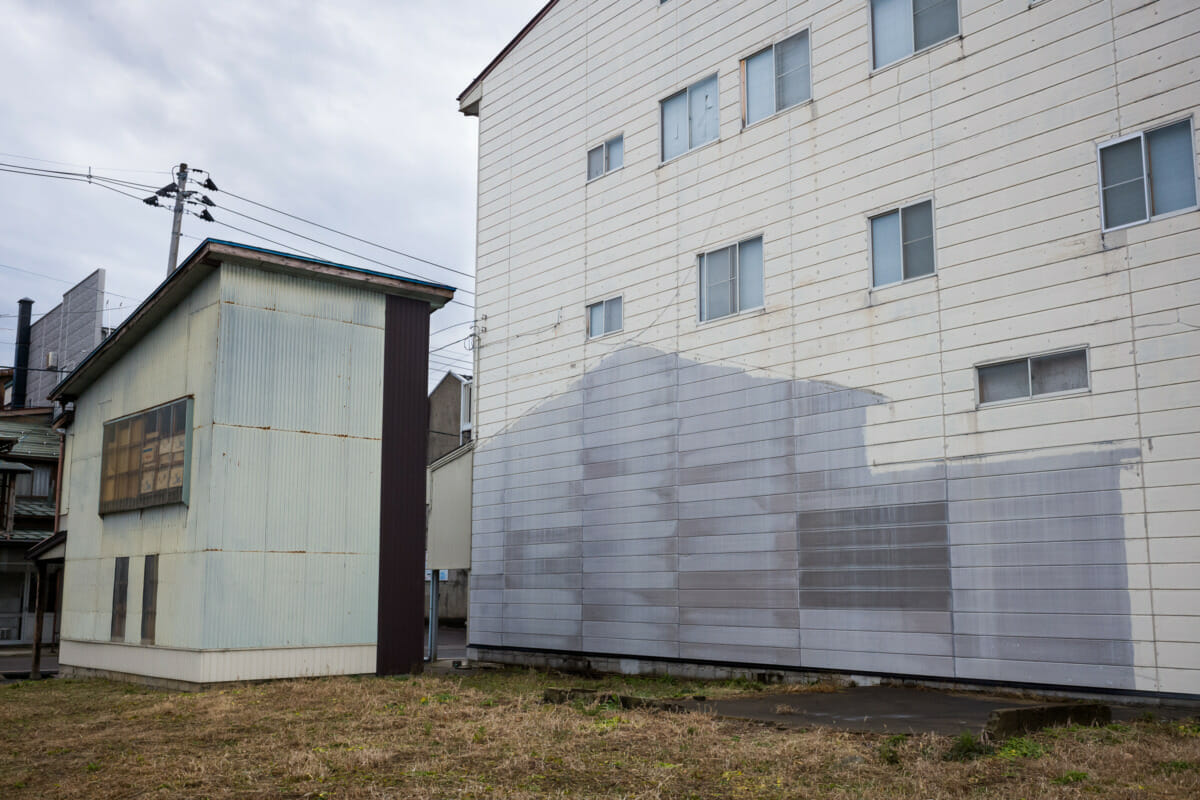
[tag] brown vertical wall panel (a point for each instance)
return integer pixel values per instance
(402, 479)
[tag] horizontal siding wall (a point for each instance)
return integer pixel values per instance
(623, 507)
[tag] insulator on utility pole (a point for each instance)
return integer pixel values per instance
(176, 227)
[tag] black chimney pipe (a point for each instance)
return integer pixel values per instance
(21, 363)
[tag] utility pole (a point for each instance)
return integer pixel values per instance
(176, 227)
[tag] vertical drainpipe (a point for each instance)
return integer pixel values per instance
(21, 362)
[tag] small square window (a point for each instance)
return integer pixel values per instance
(731, 279)
(900, 28)
(604, 158)
(1037, 375)
(902, 244)
(1147, 175)
(604, 317)
(690, 118)
(776, 78)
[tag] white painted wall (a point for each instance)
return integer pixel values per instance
(998, 126)
(448, 538)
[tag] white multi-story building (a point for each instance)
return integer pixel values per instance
(859, 335)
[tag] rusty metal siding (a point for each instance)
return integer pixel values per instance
(402, 507)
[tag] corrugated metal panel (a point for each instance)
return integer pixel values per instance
(292, 294)
(281, 369)
(181, 349)
(35, 438)
(293, 544)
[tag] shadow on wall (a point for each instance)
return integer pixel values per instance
(665, 508)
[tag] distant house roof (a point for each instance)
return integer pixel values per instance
(24, 537)
(470, 105)
(48, 547)
(13, 466)
(208, 256)
(25, 507)
(32, 436)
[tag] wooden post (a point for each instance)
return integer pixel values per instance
(43, 593)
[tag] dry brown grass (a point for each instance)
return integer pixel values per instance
(490, 737)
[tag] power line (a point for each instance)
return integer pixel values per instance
(62, 280)
(351, 236)
(332, 247)
(103, 182)
(88, 166)
(42, 314)
(456, 341)
(86, 177)
(305, 252)
(448, 327)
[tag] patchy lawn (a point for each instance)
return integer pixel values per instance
(490, 736)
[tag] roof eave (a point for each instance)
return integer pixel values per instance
(202, 262)
(470, 106)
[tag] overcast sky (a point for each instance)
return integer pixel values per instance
(341, 112)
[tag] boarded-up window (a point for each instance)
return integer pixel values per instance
(145, 458)
(149, 599)
(120, 593)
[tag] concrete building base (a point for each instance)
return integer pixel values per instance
(612, 664)
(179, 668)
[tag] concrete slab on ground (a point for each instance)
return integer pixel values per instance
(877, 709)
(890, 709)
(15, 663)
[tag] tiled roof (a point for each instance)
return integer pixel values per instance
(35, 438)
(25, 537)
(34, 508)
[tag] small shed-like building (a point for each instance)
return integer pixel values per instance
(243, 476)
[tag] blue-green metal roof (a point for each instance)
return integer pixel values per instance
(35, 438)
(33, 508)
(25, 537)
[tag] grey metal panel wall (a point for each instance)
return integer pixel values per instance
(71, 330)
(666, 508)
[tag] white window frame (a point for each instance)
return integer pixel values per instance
(588, 317)
(1146, 175)
(605, 145)
(871, 242)
(687, 92)
(735, 289)
(774, 88)
(1029, 359)
(871, 27)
